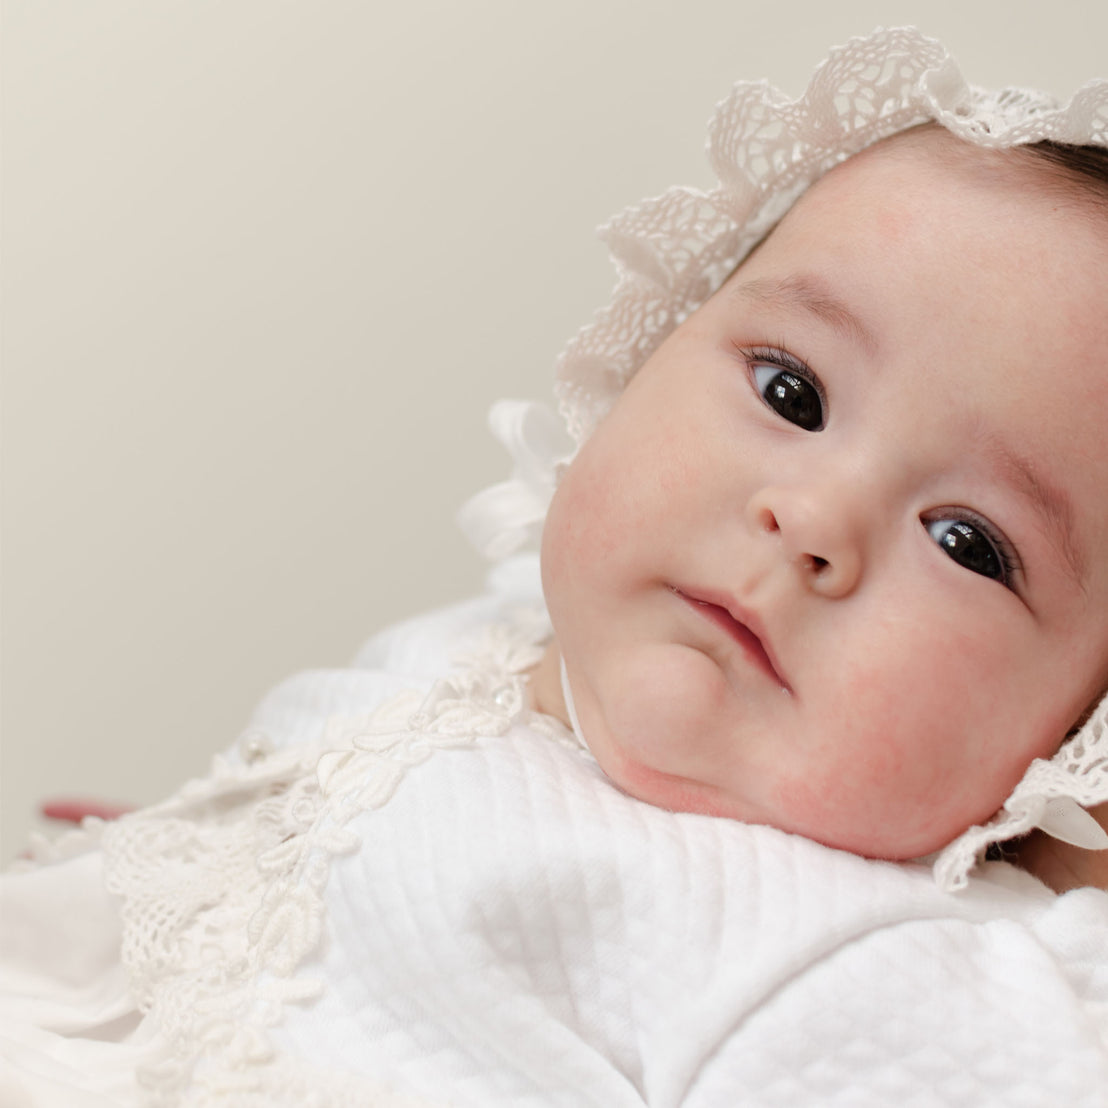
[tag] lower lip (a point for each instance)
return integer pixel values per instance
(749, 642)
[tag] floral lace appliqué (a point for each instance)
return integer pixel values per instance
(223, 884)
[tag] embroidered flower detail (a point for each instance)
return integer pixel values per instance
(224, 883)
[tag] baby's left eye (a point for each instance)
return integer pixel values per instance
(970, 545)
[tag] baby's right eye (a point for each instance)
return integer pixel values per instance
(789, 388)
(974, 546)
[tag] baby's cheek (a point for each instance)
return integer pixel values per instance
(559, 555)
(574, 554)
(658, 726)
(670, 707)
(582, 522)
(877, 766)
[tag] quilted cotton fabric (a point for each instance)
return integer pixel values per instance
(569, 946)
(370, 904)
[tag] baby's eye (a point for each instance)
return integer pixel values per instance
(972, 547)
(790, 391)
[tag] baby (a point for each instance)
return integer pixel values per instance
(835, 561)
(826, 590)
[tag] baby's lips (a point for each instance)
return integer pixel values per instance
(742, 624)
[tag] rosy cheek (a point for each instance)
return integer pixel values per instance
(575, 550)
(580, 521)
(876, 765)
(556, 566)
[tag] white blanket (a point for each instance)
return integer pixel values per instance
(454, 906)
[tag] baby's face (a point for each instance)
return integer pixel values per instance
(835, 560)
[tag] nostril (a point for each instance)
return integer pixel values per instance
(768, 521)
(816, 564)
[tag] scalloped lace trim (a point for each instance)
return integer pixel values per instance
(223, 884)
(672, 252)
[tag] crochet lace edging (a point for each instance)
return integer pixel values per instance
(672, 252)
(223, 884)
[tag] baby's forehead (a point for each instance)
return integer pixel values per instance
(1075, 177)
(974, 198)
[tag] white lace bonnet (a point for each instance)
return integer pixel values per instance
(673, 251)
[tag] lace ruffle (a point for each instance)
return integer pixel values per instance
(508, 517)
(672, 252)
(223, 884)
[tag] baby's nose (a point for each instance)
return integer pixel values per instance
(816, 533)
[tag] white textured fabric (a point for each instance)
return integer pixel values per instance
(435, 897)
(672, 252)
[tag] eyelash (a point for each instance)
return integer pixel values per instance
(1005, 552)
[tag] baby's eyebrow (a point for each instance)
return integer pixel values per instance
(810, 294)
(1051, 501)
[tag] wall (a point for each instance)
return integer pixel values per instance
(266, 265)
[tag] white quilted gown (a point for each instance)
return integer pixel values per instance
(399, 890)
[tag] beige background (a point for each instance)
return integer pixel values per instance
(265, 266)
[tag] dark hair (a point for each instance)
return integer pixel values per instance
(1075, 172)
(1085, 167)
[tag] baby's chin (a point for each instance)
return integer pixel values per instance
(664, 728)
(673, 792)
(839, 826)
(654, 746)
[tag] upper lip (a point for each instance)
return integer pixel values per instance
(744, 626)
